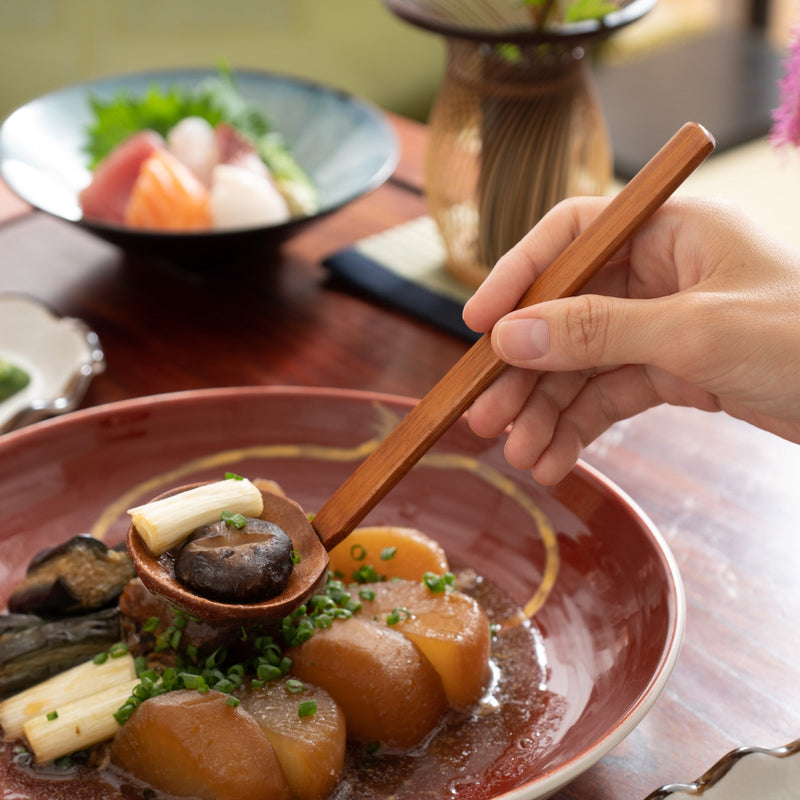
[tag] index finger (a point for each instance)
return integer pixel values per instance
(517, 269)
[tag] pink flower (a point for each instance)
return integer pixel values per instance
(786, 118)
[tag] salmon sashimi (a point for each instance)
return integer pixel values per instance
(167, 196)
(106, 197)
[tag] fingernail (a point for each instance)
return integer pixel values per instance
(522, 339)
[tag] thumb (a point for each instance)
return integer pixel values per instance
(583, 332)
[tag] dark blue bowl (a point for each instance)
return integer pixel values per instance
(345, 145)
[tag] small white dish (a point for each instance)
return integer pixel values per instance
(744, 774)
(60, 354)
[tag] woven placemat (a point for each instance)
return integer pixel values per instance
(404, 267)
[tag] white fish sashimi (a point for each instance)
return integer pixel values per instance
(240, 198)
(194, 142)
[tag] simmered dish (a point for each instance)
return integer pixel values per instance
(394, 680)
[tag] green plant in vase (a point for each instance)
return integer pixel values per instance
(545, 12)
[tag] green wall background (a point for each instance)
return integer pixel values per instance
(354, 45)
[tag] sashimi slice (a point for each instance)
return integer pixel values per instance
(240, 198)
(106, 197)
(233, 147)
(194, 142)
(168, 197)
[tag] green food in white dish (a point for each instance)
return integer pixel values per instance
(13, 379)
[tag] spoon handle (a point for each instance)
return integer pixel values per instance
(479, 366)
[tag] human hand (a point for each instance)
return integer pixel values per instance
(700, 308)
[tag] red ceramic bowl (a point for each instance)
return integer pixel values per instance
(607, 596)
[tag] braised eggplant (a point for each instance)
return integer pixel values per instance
(32, 648)
(80, 575)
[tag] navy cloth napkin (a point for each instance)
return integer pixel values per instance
(404, 267)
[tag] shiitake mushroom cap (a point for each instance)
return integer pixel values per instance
(236, 565)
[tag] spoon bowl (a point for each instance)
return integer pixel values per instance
(308, 575)
(449, 398)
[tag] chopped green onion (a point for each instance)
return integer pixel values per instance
(191, 681)
(366, 574)
(366, 594)
(388, 553)
(397, 615)
(52, 715)
(124, 713)
(151, 624)
(216, 658)
(296, 557)
(307, 708)
(142, 692)
(268, 672)
(232, 476)
(439, 583)
(357, 552)
(294, 686)
(232, 701)
(118, 650)
(100, 658)
(322, 602)
(236, 520)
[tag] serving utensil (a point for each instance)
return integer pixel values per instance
(440, 408)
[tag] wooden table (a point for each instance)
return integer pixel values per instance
(725, 495)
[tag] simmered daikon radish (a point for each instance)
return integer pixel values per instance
(387, 689)
(307, 731)
(450, 629)
(199, 745)
(393, 552)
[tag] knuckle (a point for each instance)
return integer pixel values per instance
(584, 330)
(697, 331)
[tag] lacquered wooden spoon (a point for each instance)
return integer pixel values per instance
(441, 407)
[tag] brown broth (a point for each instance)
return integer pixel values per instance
(471, 756)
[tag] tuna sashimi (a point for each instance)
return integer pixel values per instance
(167, 196)
(106, 197)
